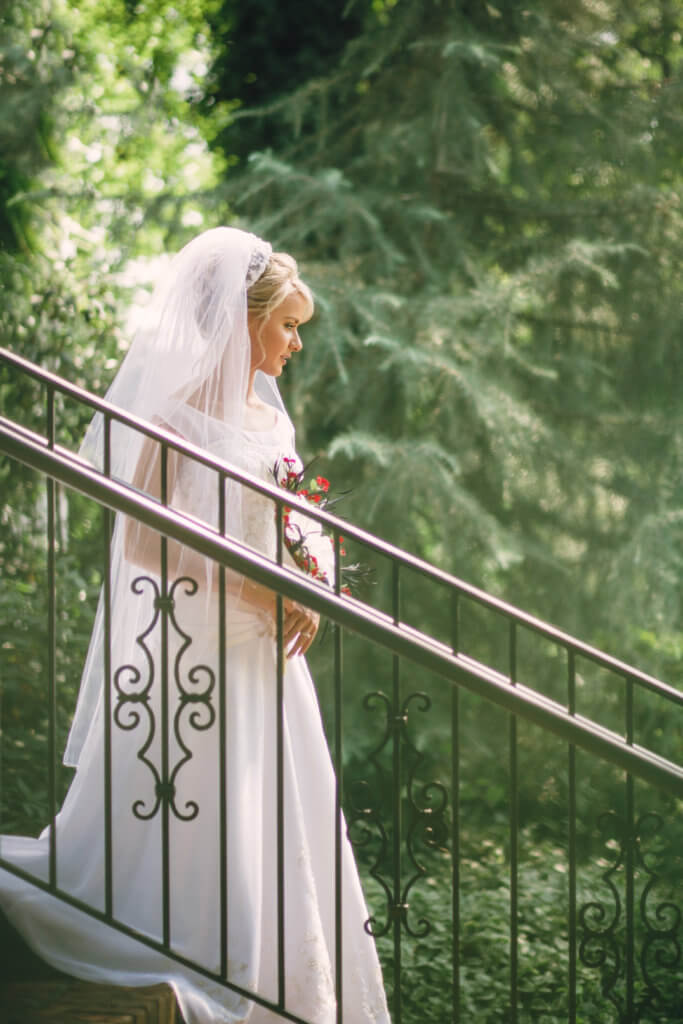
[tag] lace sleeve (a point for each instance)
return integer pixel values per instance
(307, 547)
(193, 492)
(258, 523)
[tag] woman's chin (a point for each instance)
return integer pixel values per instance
(270, 371)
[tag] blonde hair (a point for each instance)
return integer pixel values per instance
(278, 280)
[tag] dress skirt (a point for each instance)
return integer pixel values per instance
(221, 883)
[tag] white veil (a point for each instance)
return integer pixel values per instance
(187, 371)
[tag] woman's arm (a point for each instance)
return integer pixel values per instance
(141, 543)
(142, 548)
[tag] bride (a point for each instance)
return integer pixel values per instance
(192, 715)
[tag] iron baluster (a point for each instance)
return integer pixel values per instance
(455, 810)
(163, 607)
(279, 748)
(338, 792)
(397, 719)
(50, 487)
(571, 771)
(222, 738)
(630, 866)
(514, 832)
(107, 753)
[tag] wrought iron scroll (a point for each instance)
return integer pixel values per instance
(659, 924)
(365, 825)
(134, 690)
(426, 803)
(661, 940)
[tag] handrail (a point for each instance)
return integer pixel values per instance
(519, 699)
(349, 531)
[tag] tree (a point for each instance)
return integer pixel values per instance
(487, 199)
(103, 161)
(264, 50)
(32, 72)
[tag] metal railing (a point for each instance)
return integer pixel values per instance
(478, 660)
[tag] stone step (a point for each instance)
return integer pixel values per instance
(70, 1001)
(32, 992)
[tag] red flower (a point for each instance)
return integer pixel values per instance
(295, 539)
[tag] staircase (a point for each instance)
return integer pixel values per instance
(32, 992)
(623, 936)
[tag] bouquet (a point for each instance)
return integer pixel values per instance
(311, 549)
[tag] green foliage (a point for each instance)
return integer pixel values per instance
(25, 697)
(263, 51)
(103, 162)
(36, 62)
(134, 131)
(487, 201)
(484, 944)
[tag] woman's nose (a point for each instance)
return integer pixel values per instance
(296, 342)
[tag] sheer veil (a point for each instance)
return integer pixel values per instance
(187, 371)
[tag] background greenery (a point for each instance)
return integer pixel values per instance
(486, 198)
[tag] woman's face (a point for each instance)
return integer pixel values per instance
(274, 340)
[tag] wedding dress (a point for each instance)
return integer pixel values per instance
(241, 772)
(85, 947)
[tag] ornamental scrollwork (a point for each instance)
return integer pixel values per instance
(423, 808)
(193, 697)
(635, 851)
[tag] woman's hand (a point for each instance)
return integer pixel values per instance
(300, 623)
(300, 626)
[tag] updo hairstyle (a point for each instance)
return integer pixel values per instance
(278, 280)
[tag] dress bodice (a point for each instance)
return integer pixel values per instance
(262, 454)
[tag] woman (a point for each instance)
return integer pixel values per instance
(222, 326)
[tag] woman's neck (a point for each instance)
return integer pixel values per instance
(258, 415)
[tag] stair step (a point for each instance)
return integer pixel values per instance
(70, 1001)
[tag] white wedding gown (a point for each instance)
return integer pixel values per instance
(80, 945)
